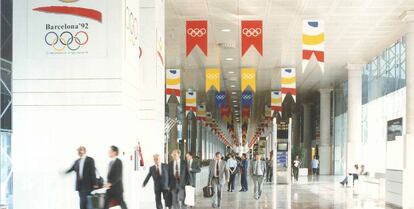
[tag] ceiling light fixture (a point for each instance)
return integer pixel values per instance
(230, 72)
(225, 30)
(232, 86)
(234, 92)
(229, 59)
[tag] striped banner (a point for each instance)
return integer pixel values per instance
(190, 102)
(288, 83)
(201, 111)
(276, 104)
(173, 84)
(313, 43)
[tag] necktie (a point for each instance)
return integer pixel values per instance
(177, 174)
(158, 171)
(217, 169)
(257, 167)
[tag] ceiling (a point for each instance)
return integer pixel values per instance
(355, 31)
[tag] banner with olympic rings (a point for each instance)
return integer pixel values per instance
(288, 83)
(196, 33)
(212, 78)
(313, 42)
(248, 78)
(251, 35)
(67, 28)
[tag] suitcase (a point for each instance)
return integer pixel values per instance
(208, 191)
(96, 201)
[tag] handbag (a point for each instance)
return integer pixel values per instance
(208, 191)
(189, 195)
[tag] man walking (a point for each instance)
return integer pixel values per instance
(178, 177)
(218, 175)
(244, 166)
(258, 170)
(315, 166)
(84, 167)
(114, 185)
(193, 168)
(159, 174)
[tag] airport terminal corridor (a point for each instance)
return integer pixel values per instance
(227, 104)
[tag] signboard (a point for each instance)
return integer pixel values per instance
(394, 128)
(282, 159)
(283, 130)
(61, 28)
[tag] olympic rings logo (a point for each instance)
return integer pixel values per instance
(212, 76)
(66, 39)
(132, 26)
(196, 32)
(220, 97)
(247, 97)
(252, 32)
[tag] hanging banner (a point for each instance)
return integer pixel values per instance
(268, 111)
(245, 114)
(252, 35)
(220, 99)
(276, 104)
(248, 79)
(201, 112)
(225, 113)
(247, 99)
(288, 83)
(190, 102)
(196, 35)
(172, 84)
(67, 29)
(313, 42)
(212, 78)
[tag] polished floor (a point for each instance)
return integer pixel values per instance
(323, 192)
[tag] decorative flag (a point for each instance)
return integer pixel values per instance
(288, 83)
(201, 112)
(247, 99)
(276, 103)
(196, 35)
(313, 43)
(248, 78)
(225, 113)
(212, 78)
(245, 113)
(252, 34)
(191, 102)
(268, 111)
(220, 99)
(173, 84)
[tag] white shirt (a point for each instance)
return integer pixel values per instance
(217, 164)
(231, 163)
(257, 170)
(81, 165)
(296, 163)
(190, 163)
(315, 163)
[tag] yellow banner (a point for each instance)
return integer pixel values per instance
(248, 78)
(212, 78)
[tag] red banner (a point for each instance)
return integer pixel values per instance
(196, 35)
(252, 34)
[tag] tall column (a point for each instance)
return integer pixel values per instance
(172, 140)
(307, 132)
(325, 151)
(193, 136)
(354, 114)
(295, 130)
(408, 201)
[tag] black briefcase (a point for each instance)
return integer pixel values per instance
(95, 201)
(208, 191)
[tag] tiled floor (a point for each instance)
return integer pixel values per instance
(321, 193)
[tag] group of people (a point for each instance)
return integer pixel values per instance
(358, 171)
(87, 179)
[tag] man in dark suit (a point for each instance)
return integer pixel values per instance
(244, 168)
(115, 192)
(178, 177)
(159, 174)
(84, 167)
(193, 168)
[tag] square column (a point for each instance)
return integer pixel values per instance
(354, 114)
(325, 150)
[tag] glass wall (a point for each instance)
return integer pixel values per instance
(340, 107)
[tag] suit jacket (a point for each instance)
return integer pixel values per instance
(160, 182)
(224, 172)
(115, 177)
(88, 180)
(195, 168)
(244, 166)
(261, 164)
(183, 175)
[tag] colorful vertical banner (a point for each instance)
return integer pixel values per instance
(313, 42)
(191, 102)
(173, 84)
(225, 113)
(288, 83)
(268, 111)
(201, 112)
(220, 99)
(276, 104)
(248, 79)
(212, 78)
(247, 99)
(196, 35)
(252, 35)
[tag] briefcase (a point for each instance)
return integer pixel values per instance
(96, 201)
(208, 191)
